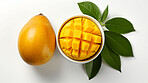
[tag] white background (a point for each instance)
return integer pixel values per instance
(15, 13)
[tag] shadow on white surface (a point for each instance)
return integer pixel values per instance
(50, 70)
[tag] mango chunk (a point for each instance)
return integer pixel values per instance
(68, 33)
(62, 33)
(69, 51)
(75, 53)
(69, 25)
(96, 39)
(88, 25)
(83, 19)
(70, 56)
(66, 43)
(78, 23)
(93, 47)
(64, 50)
(83, 55)
(96, 31)
(77, 34)
(85, 45)
(86, 36)
(75, 44)
(90, 54)
(97, 48)
(62, 43)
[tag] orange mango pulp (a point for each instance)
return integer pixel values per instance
(80, 38)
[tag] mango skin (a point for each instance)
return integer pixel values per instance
(36, 42)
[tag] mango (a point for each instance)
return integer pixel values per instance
(80, 38)
(36, 42)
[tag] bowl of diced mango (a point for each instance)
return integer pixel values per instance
(80, 39)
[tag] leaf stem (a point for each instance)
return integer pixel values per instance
(101, 23)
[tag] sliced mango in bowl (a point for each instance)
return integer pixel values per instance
(80, 38)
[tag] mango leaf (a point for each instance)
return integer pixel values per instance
(119, 25)
(90, 9)
(104, 15)
(111, 58)
(93, 67)
(119, 44)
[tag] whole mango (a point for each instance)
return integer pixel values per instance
(36, 42)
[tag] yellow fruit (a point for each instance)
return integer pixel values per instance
(36, 42)
(80, 38)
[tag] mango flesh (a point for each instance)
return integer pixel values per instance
(36, 42)
(80, 38)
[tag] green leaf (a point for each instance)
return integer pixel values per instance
(119, 25)
(111, 58)
(104, 15)
(119, 44)
(90, 9)
(93, 67)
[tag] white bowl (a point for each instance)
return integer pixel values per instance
(94, 56)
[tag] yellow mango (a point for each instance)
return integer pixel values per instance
(81, 38)
(36, 42)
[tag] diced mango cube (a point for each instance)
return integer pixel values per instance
(68, 33)
(64, 50)
(83, 54)
(88, 25)
(90, 54)
(86, 36)
(70, 56)
(78, 23)
(77, 34)
(75, 53)
(97, 48)
(83, 19)
(93, 47)
(67, 43)
(77, 20)
(96, 31)
(69, 25)
(62, 33)
(62, 43)
(85, 45)
(69, 51)
(96, 39)
(75, 44)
